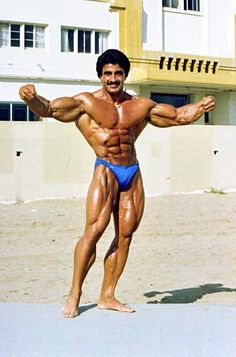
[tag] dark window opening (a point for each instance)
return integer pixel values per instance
(84, 41)
(206, 118)
(19, 112)
(71, 40)
(15, 35)
(29, 36)
(192, 5)
(16, 112)
(4, 111)
(97, 43)
(87, 41)
(177, 100)
(80, 41)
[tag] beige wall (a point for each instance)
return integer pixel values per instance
(52, 160)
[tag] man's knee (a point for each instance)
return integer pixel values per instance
(124, 241)
(93, 232)
(127, 229)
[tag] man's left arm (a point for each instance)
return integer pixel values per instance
(164, 115)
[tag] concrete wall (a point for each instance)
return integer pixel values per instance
(52, 160)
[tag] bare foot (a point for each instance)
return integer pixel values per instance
(114, 304)
(70, 308)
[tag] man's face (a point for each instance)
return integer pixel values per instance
(112, 78)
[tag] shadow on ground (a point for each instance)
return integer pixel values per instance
(186, 296)
(84, 308)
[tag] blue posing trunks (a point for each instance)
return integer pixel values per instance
(124, 174)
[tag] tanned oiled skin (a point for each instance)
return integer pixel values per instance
(110, 120)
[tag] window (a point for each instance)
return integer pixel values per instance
(5, 112)
(83, 41)
(177, 100)
(207, 118)
(186, 5)
(16, 112)
(21, 35)
(100, 42)
(171, 3)
(4, 37)
(34, 36)
(67, 40)
(192, 5)
(15, 35)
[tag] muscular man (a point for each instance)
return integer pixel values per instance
(110, 120)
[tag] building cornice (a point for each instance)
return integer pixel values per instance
(181, 68)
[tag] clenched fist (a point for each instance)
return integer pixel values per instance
(27, 92)
(208, 103)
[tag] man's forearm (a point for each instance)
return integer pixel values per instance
(192, 112)
(39, 105)
(189, 113)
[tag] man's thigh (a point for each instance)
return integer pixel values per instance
(131, 206)
(102, 197)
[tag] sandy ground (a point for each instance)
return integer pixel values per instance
(183, 252)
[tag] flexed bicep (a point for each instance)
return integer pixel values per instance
(65, 109)
(163, 115)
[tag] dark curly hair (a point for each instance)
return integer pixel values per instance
(113, 56)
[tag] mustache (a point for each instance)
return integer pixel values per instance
(115, 82)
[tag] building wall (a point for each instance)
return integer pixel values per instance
(52, 160)
(209, 32)
(221, 28)
(184, 32)
(156, 32)
(49, 65)
(48, 159)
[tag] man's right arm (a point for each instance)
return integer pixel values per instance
(64, 109)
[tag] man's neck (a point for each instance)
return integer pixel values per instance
(115, 98)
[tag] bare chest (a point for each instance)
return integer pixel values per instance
(117, 116)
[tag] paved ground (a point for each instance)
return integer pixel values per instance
(168, 330)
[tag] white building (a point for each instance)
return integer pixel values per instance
(53, 45)
(180, 50)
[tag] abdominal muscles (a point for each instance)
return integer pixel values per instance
(114, 145)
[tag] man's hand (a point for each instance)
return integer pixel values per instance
(208, 103)
(27, 92)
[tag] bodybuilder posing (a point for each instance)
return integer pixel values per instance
(110, 120)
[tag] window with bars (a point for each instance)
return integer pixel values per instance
(186, 5)
(34, 36)
(14, 35)
(192, 5)
(22, 35)
(83, 41)
(13, 111)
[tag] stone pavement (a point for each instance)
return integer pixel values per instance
(160, 330)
